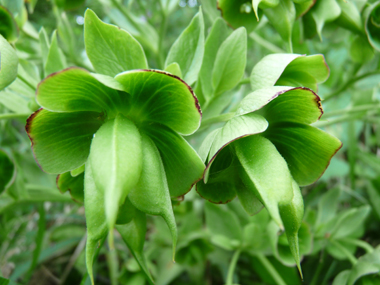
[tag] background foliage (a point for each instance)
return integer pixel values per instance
(43, 232)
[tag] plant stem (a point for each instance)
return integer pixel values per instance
(19, 76)
(348, 254)
(217, 119)
(112, 265)
(231, 269)
(349, 83)
(361, 108)
(14, 116)
(245, 81)
(266, 44)
(359, 243)
(341, 119)
(270, 268)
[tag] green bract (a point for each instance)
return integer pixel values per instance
(268, 148)
(126, 130)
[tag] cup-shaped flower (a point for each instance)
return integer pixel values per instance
(265, 152)
(123, 130)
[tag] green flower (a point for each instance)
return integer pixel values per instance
(126, 127)
(268, 149)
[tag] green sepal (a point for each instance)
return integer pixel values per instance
(75, 185)
(263, 4)
(234, 129)
(110, 49)
(77, 171)
(304, 7)
(188, 49)
(289, 70)
(282, 18)
(157, 96)
(75, 89)
(9, 29)
(116, 163)
(268, 171)
(151, 194)
(61, 141)
(9, 63)
(183, 166)
(238, 13)
(283, 104)
(174, 69)
(372, 24)
(7, 171)
(306, 149)
(133, 233)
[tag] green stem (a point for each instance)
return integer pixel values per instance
(359, 243)
(113, 266)
(162, 33)
(348, 254)
(350, 83)
(245, 81)
(270, 268)
(217, 119)
(341, 119)
(14, 116)
(319, 269)
(266, 44)
(19, 76)
(231, 269)
(361, 108)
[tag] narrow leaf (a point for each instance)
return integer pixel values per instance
(55, 60)
(9, 63)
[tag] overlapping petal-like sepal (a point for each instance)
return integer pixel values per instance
(74, 184)
(61, 141)
(290, 70)
(158, 96)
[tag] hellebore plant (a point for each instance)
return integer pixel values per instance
(123, 129)
(268, 148)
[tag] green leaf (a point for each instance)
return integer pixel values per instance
(283, 104)
(55, 60)
(248, 200)
(230, 62)
(75, 89)
(282, 17)
(268, 172)
(182, 164)
(238, 13)
(8, 29)
(174, 69)
(133, 234)
(95, 218)
(234, 129)
(350, 17)
(263, 4)
(61, 141)
(361, 51)
(7, 171)
(9, 63)
(151, 194)
(372, 24)
(156, 96)
(323, 12)
(289, 70)
(169, 6)
(110, 49)
(69, 4)
(219, 32)
(116, 161)
(44, 45)
(206, 145)
(327, 207)
(66, 182)
(306, 149)
(188, 49)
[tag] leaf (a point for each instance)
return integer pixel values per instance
(361, 51)
(157, 96)
(110, 49)
(133, 234)
(7, 171)
(116, 163)
(151, 194)
(61, 141)
(4, 281)
(9, 29)
(267, 170)
(234, 129)
(350, 17)
(183, 166)
(306, 149)
(327, 207)
(9, 63)
(372, 24)
(230, 62)
(75, 89)
(174, 69)
(55, 60)
(69, 4)
(219, 32)
(188, 49)
(283, 104)
(44, 45)
(289, 70)
(206, 145)
(238, 13)
(263, 4)
(373, 190)
(282, 17)
(169, 6)
(323, 12)
(66, 182)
